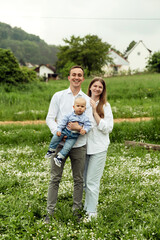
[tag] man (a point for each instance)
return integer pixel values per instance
(61, 104)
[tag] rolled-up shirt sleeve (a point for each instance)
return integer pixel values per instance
(87, 125)
(106, 123)
(63, 123)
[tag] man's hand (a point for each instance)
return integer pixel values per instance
(64, 138)
(74, 126)
(82, 131)
(58, 134)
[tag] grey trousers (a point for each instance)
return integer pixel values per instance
(77, 156)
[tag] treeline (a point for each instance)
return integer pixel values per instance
(27, 47)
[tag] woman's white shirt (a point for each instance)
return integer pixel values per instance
(98, 137)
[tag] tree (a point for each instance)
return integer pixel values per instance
(131, 45)
(63, 72)
(154, 62)
(10, 71)
(89, 52)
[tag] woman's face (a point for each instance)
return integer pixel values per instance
(96, 89)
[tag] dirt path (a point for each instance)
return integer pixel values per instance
(28, 122)
(132, 119)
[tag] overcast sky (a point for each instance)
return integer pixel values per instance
(117, 22)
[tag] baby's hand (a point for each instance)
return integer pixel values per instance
(82, 131)
(58, 134)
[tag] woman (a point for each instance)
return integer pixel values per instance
(97, 144)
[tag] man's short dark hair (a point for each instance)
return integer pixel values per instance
(76, 66)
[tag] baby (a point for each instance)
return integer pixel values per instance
(78, 115)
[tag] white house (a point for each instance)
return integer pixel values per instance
(138, 57)
(46, 71)
(118, 66)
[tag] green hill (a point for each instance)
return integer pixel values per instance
(26, 47)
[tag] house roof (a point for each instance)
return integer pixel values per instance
(46, 65)
(117, 59)
(128, 53)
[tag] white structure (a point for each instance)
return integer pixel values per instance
(46, 71)
(29, 65)
(138, 57)
(118, 66)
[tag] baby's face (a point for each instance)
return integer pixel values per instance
(79, 106)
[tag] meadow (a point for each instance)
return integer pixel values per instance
(129, 96)
(130, 190)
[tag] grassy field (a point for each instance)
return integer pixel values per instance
(130, 191)
(129, 194)
(129, 96)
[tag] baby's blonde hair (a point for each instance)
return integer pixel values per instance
(80, 99)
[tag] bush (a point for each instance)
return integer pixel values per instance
(10, 71)
(154, 62)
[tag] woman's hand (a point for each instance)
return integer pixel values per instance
(93, 105)
(95, 114)
(74, 126)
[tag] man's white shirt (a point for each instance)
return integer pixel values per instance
(62, 104)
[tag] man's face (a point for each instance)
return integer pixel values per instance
(76, 77)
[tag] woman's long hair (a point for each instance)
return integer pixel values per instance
(102, 98)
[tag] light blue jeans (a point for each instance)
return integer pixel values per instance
(93, 172)
(70, 141)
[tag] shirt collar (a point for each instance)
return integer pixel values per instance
(79, 94)
(69, 90)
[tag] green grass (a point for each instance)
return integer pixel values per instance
(129, 195)
(130, 191)
(129, 96)
(38, 134)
